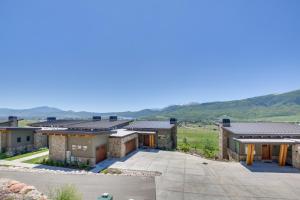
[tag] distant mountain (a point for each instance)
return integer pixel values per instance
(280, 107)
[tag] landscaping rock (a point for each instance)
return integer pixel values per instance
(10, 189)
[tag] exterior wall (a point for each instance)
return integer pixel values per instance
(3, 142)
(296, 155)
(76, 146)
(117, 146)
(14, 147)
(164, 139)
(223, 138)
(40, 140)
(57, 147)
(174, 136)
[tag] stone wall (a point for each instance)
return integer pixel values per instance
(117, 147)
(40, 140)
(296, 155)
(57, 147)
(164, 139)
(223, 135)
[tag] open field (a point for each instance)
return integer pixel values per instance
(202, 139)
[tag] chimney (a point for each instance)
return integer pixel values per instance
(226, 122)
(13, 121)
(51, 119)
(173, 121)
(96, 118)
(113, 118)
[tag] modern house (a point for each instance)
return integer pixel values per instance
(279, 142)
(92, 141)
(14, 139)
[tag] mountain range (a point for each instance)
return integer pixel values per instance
(274, 107)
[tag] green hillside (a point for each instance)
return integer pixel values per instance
(281, 107)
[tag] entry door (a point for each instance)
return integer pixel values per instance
(100, 153)
(146, 140)
(266, 152)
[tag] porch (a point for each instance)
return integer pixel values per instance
(268, 150)
(147, 139)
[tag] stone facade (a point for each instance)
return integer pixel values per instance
(57, 147)
(164, 139)
(223, 138)
(296, 156)
(40, 140)
(117, 146)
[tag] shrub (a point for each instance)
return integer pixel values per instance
(184, 147)
(67, 192)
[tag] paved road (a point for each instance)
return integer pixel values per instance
(91, 186)
(188, 177)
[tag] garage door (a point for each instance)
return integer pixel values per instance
(100, 153)
(130, 146)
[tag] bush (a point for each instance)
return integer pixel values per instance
(184, 147)
(67, 192)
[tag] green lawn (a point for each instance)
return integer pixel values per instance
(199, 139)
(39, 160)
(26, 154)
(3, 156)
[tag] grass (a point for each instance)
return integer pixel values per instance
(197, 138)
(66, 192)
(44, 160)
(38, 160)
(25, 122)
(3, 156)
(26, 154)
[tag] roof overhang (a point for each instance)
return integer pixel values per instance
(146, 132)
(72, 133)
(265, 141)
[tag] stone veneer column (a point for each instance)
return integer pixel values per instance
(57, 147)
(296, 155)
(223, 143)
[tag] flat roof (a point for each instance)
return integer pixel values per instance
(99, 124)
(265, 141)
(147, 132)
(149, 125)
(71, 132)
(18, 128)
(56, 123)
(122, 133)
(264, 128)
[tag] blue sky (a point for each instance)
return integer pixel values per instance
(129, 55)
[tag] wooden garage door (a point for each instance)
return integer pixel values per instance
(130, 146)
(100, 153)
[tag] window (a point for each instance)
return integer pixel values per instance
(18, 140)
(28, 138)
(73, 147)
(84, 148)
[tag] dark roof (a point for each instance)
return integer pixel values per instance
(72, 132)
(150, 125)
(262, 128)
(100, 125)
(18, 128)
(57, 123)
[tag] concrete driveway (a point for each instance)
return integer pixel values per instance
(188, 177)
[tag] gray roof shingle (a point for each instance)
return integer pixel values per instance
(263, 128)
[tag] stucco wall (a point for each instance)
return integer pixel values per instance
(14, 147)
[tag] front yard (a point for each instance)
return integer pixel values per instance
(11, 158)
